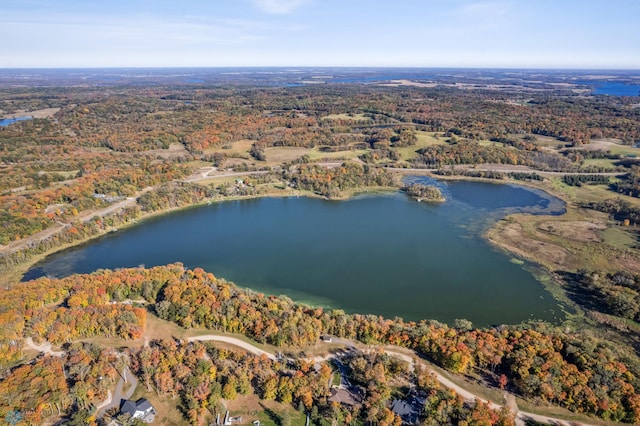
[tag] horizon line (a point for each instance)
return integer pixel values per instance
(156, 67)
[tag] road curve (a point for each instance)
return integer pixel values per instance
(43, 347)
(523, 169)
(114, 400)
(521, 416)
(118, 395)
(235, 342)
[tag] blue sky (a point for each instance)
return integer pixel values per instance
(406, 33)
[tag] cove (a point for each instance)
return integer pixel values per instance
(382, 254)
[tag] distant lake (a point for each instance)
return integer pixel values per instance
(6, 121)
(612, 88)
(376, 254)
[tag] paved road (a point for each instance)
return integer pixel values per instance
(85, 216)
(207, 175)
(503, 169)
(114, 400)
(43, 347)
(236, 342)
(407, 355)
(521, 416)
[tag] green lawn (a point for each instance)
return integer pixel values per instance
(316, 155)
(272, 418)
(424, 139)
(620, 238)
(599, 162)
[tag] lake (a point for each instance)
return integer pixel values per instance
(612, 88)
(383, 254)
(6, 121)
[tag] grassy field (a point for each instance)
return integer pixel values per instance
(316, 155)
(216, 181)
(345, 117)
(586, 193)
(424, 139)
(614, 146)
(548, 142)
(621, 238)
(166, 407)
(493, 143)
(196, 164)
(65, 174)
(578, 239)
(240, 147)
(249, 407)
(270, 413)
(599, 162)
(283, 154)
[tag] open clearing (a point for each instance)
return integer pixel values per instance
(346, 117)
(548, 142)
(166, 406)
(316, 154)
(240, 147)
(175, 150)
(64, 173)
(612, 145)
(251, 408)
(425, 139)
(587, 193)
(409, 83)
(284, 154)
(600, 162)
(39, 113)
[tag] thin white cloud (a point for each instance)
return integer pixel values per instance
(278, 7)
(485, 9)
(111, 32)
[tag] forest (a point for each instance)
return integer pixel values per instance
(538, 361)
(104, 146)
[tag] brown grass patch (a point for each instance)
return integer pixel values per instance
(175, 150)
(40, 113)
(513, 237)
(282, 154)
(236, 161)
(241, 147)
(578, 239)
(585, 231)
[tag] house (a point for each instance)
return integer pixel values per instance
(140, 409)
(326, 338)
(345, 397)
(407, 410)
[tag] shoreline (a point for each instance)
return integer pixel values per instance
(15, 275)
(539, 271)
